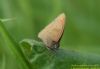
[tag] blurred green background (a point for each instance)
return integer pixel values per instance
(82, 30)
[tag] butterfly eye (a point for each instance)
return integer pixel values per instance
(56, 45)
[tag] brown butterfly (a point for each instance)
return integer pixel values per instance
(52, 33)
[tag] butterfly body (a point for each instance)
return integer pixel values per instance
(53, 32)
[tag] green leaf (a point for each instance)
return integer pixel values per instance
(43, 58)
(31, 47)
(13, 51)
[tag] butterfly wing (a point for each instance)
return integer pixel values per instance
(54, 31)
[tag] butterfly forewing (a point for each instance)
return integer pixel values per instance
(54, 31)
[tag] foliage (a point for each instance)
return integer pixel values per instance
(30, 54)
(23, 19)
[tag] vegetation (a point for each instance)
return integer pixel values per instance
(21, 20)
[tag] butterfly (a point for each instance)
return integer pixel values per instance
(52, 33)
